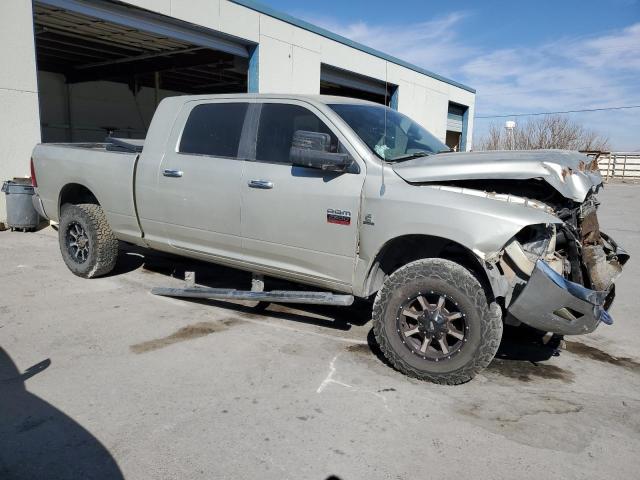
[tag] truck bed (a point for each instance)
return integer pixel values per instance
(107, 172)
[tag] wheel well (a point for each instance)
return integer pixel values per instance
(408, 248)
(75, 194)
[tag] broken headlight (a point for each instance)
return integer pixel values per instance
(531, 244)
(519, 257)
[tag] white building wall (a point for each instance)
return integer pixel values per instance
(203, 12)
(19, 119)
(290, 58)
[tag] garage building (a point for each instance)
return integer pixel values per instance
(79, 70)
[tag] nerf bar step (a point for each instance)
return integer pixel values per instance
(276, 296)
(257, 293)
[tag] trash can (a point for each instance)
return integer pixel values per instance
(20, 212)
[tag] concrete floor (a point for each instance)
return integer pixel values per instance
(100, 379)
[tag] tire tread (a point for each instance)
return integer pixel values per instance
(106, 244)
(454, 274)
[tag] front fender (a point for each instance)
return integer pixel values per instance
(479, 221)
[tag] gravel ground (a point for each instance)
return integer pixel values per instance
(101, 379)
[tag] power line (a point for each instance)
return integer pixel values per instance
(555, 113)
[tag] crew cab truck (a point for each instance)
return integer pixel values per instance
(350, 197)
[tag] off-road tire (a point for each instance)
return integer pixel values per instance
(455, 281)
(102, 243)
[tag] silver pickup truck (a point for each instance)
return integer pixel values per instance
(355, 199)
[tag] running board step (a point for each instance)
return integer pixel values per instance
(275, 296)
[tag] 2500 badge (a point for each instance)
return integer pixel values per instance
(339, 217)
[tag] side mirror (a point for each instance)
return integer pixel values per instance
(311, 150)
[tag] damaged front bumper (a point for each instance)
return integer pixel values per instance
(570, 286)
(551, 303)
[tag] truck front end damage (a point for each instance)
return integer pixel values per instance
(561, 277)
(557, 276)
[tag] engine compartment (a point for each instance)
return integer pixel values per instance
(577, 249)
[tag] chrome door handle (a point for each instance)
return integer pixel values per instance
(169, 172)
(264, 184)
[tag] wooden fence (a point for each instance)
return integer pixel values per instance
(619, 165)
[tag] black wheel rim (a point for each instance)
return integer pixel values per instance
(432, 326)
(77, 242)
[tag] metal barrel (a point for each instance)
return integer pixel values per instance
(20, 211)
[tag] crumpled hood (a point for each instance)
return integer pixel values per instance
(573, 174)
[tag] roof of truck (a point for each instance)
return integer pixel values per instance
(325, 99)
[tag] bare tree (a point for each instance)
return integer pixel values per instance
(550, 131)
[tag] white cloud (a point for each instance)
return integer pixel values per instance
(619, 50)
(432, 44)
(566, 74)
(569, 73)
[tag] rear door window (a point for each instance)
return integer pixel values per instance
(214, 129)
(278, 123)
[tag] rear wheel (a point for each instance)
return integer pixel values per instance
(88, 246)
(432, 321)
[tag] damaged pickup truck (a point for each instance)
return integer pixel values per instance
(357, 200)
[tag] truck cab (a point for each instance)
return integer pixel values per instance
(236, 195)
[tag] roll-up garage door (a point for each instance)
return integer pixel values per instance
(336, 81)
(455, 117)
(139, 19)
(456, 127)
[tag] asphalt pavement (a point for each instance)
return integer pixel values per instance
(101, 379)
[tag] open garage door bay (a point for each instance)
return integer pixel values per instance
(103, 67)
(337, 81)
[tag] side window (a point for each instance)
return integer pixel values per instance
(214, 129)
(278, 122)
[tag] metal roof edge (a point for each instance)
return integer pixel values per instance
(267, 10)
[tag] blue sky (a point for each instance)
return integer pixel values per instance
(520, 56)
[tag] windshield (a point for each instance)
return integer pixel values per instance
(391, 135)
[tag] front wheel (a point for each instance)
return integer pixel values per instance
(432, 321)
(88, 246)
